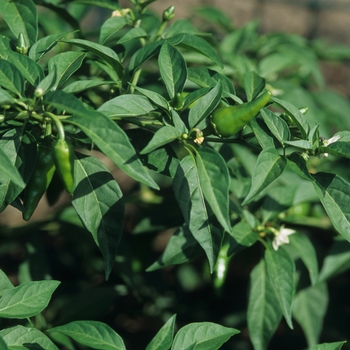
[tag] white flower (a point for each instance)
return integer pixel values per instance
(281, 237)
(329, 141)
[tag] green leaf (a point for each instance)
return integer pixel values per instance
(65, 64)
(162, 137)
(295, 114)
(99, 204)
(262, 133)
(276, 125)
(104, 53)
(338, 148)
(304, 144)
(22, 17)
(268, 168)
(298, 165)
(79, 86)
(134, 33)
(9, 170)
(107, 135)
(96, 335)
(205, 106)
(5, 98)
(27, 300)
(22, 338)
(207, 78)
(202, 336)
(244, 234)
(164, 338)
(5, 283)
(264, 314)
(253, 85)
(336, 261)
(3, 345)
(280, 268)
(107, 4)
(110, 27)
(126, 106)
(182, 247)
(309, 310)
(211, 166)
(193, 42)
(334, 194)
(143, 54)
(190, 197)
(30, 70)
(172, 68)
(11, 78)
(44, 45)
(329, 346)
(156, 98)
(306, 251)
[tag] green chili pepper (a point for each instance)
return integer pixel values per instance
(227, 121)
(63, 156)
(177, 102)
(221, 268)
(39, 180)
(22, 46)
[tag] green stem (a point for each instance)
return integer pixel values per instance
(262, 241)
(59, 125)
(135, 79)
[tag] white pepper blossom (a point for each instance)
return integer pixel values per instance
(281, 237)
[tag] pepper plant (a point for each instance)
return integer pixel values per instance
(217, 152)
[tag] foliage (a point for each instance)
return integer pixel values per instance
(262, 204)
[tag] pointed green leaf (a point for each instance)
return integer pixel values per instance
(134, 33)
(164, 338)
(205, 106)
(244, 234)
(298, 165)
(329, 346)
(193, 42)
(336, 261)
(5, 98)
(96, 335)
(338, 148)
(190, 197)
(99, 204)
(144, 53)
(264, 314)
(5, 283)
(27, 300)
(107, 135)
(11, 78)
(304, 144)
(162, 137)
(127, 106)
(262, 133)
(30, 70)
(276, 125)
(9, 170)
(65, 64)
(309, 310)
(211, 166)
(268, 168)
(20, 337)
(253, 85)
(172, 68)
(305, 249)
(110, 27)
(202, 336)
(182, 247)
(103, 52)
(22, 17)
(280, 268)
(44, 45)
(334, 194)
(79, 86)
(295, 114)
(156, 98)
(3, 345)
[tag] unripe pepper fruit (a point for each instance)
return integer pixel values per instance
(39, 180)
(227, 121)
(63, 157)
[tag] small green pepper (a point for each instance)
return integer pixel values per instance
(39, 181)
(63, 156)
(22, 46)
(227, 121)
(177, 102)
